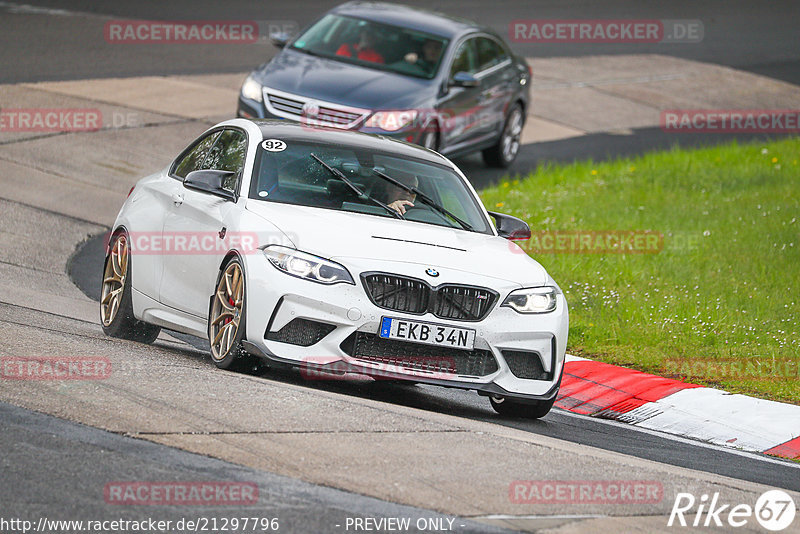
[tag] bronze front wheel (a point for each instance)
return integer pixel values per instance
(226, 322)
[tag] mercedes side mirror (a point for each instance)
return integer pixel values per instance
(279, 39)
(464, 79)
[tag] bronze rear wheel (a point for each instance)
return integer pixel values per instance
(114, 277)
(116, 304)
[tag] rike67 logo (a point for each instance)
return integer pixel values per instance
(774, 510)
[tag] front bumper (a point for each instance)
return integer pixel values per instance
(275, 300)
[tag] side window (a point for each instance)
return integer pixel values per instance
(490, 53)
(465, 59)
(193, 160)
(228, 154)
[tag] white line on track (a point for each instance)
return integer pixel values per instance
(27, 9)
(505, 516)
(664, 435)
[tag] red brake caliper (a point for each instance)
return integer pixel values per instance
(232, 303)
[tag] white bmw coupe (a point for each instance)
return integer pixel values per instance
(336, 252)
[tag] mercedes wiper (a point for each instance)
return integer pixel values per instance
(361, 194)
(425, 199)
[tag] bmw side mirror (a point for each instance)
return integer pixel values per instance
(210, 181)
(511, 227)
(279, 39)
(464, 79)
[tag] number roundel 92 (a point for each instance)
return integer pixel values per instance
(273, 145)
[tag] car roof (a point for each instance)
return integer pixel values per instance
(409, 17)
(285, 130)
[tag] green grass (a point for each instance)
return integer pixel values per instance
(725, 287)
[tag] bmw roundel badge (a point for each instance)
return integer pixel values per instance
(430, 271)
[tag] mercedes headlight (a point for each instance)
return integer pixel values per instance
(532, 300)
(251, 89)
(307, 266)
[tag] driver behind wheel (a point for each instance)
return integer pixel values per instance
(397, 198)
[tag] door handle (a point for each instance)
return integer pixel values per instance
(177, 199)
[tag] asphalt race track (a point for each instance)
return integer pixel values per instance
(319, 452)
(86, 269)
(105, 456)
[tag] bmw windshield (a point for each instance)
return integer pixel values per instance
(374, 45)
(295, 172)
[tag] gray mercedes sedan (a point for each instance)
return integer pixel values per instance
(442, 82)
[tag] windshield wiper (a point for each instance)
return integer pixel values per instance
(337, 173)
(425, 199)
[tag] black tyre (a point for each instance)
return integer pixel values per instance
(512, 408)
(116, 306)
(226, 320)
(504, 153)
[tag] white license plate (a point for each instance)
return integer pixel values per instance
(427, 333)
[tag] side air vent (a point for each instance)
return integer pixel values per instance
(302, 332)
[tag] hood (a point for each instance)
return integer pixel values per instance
(354, 238)
(342, 83)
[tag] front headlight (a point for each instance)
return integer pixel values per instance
(251, 89)
(391, 121)
(532, 300)
(306, 266)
